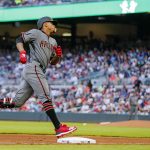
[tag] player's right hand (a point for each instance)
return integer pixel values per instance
(58, 51)
(23, 57)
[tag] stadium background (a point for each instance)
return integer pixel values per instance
(106, 58)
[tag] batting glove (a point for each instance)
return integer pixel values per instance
(23, 57)
(58, 51)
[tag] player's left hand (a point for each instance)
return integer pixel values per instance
(58, 51)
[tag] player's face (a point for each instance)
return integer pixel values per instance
(51, 27)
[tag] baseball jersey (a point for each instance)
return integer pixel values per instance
(41, 46)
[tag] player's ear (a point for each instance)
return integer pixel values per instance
(45, 24)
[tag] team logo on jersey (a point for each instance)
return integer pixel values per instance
(128, 7)
(45, 44)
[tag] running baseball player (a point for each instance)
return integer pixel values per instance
(43, 50)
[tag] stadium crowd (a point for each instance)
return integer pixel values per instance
(20, 3)
(98, 80)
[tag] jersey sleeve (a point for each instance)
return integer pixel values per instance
(55, 43)
(29, 35)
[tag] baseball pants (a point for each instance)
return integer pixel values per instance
(33, 81)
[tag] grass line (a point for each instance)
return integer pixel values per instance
(22, 127)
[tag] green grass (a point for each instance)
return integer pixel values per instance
(83, 130)
(75, 147)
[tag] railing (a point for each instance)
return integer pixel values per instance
(96, 78)
(70, 117)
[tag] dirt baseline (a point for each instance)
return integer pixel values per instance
(51, 139)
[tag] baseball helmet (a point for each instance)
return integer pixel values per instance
(42, 20)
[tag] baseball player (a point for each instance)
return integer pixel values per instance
(133, 100)
(43, 50)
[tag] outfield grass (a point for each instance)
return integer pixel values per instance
(83, 130)
(75, 147)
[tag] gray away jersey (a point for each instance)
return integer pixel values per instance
(41, 46)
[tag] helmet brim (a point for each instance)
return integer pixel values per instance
(54, 22)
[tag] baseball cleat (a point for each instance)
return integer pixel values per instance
(64, 130)
(7, 103)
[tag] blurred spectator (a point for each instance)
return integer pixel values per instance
(98, 80)
(20, 3)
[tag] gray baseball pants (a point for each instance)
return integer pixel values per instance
(33, 80)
